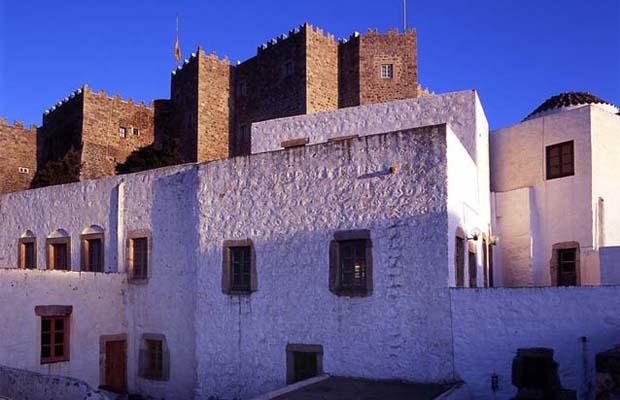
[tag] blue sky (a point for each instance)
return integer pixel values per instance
(515, 53)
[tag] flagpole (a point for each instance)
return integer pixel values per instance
(405, 15)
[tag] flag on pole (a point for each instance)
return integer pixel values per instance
(177, 46)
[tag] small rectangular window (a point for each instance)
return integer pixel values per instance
(59, 253)
(154, 363)
(240, 262)
(350, 263)
(135, 131)
(140, 258)
(567, 267)
(473, 270)
(23, 170)
(560, 160)
(92, 252)
(288, 69)
(387, 71)
(27, 255)
(122, 131)
(54, 339)
(303, 361)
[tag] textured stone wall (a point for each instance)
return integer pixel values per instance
(184, 98)
(321, 71)
(349, 72)
(289, 203)
(103, 146)
(489, 326)
(399, 50)
(18, 146)
(457, 109)
(21, 384)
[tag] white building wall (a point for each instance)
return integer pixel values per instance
(290, 203)
(459, 110)
(491, 324)
(561, 208)
(98, 309)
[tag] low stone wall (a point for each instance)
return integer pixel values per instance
(19, 384)
(490, 325)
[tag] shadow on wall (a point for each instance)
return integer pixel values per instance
(21, 384)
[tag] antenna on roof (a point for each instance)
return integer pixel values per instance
(404, 15)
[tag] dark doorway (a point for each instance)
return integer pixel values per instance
(116, 366)
(305, 365)
(303, 361)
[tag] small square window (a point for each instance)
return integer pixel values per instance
(350, 263)
(54, 339)
(387, 71)
(135, 131)
(122, 132)
(560, 160)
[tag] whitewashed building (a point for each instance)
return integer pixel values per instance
(356, 242)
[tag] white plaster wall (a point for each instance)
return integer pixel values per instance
(560, 209)
(162, 201)
(491, 324)
(458, 109)
(465, 202)
(290, 203)
(605, 180)
(98, 309)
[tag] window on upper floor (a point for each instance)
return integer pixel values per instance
(350, 263)
(92, 252)
(24, 170)
(387, 71)
(135, 131)
(459, 260)
(27, 252)
(560, 160)
(239, 267)
(122, 131)
(59, 252)
(139, 257)
(473, 269)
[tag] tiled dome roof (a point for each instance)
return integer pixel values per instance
(567, 99)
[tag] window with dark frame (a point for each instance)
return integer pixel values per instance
(485, 263)
(122, 131)
(154, 361)
(350, 263)
(567, 267)
(94, 259)
(60, 255)
(459, 261)
(560, 160)
(353, 265)
(491, 282)
(27, 256)
(54, 339)
(139, 249)
(473, 269)
(387, 71)
(240, 268)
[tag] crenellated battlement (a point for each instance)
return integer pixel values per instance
(102, 95)
(74, 96)
(213, 57)
(4, 123)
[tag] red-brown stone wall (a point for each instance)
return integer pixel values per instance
(17, 150)
(214, 108)
(321, 71)
(263, 89)
(401, 51)
(103, 145)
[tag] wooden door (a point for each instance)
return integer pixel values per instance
(116, 366)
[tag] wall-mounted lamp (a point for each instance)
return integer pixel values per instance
(493, 240)
(474, 235)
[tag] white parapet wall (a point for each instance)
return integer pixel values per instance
(489, 326)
